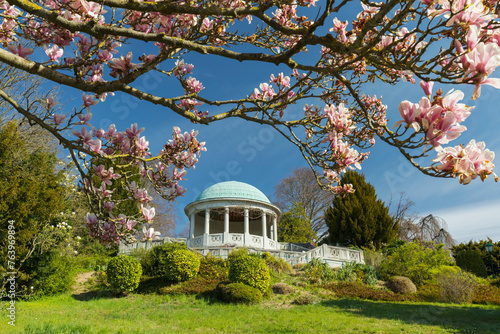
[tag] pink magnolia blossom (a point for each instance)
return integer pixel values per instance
(54, 52)
(467, 162)
(427, 87)
(58, 119)
(85, 118)
(83, 134)
(130, 224)
(88, 101)
(20, 50)
(193, 85)
(90, 218)
(51, 103)
(148, 213)
(150, 234)
(133, 131)
(122, 66)
(480, 63)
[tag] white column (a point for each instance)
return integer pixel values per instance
(275, 227)
(246, 222)
(207, 221)
(264, 229)
(207, 227)
(191, 226)
(226, 220)
(226, 225)
(246, 228)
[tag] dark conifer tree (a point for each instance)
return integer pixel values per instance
(360, 218)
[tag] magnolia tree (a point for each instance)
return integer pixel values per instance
(80, 44)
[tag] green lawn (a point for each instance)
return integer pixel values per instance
(164, 314)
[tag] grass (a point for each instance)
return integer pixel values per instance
(152, 313)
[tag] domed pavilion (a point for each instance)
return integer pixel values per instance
(233, 214)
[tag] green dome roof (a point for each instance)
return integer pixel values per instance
(233, 189)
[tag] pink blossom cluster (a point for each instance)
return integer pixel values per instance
(481, 55)
(466, 162)
(283, 96)
(129, 152)
(439, 119)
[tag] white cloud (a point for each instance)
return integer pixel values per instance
(475, 221)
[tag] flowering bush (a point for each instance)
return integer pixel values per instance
(124, 273)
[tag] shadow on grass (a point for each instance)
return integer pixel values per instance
(152, 285)
(470, 319)
(95, 294)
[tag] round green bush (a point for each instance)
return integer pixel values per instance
(279, 265)
(471, 261)
(124, 273)
(213, 267)
(181, 265)
(282, 288)
(153, 263)
(305, 298)
(402, 285)
(239, 293)
(250, 270)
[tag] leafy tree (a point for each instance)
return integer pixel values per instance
(416, 261)
(479, 247)
(471, 261)
(359, 218)
(301, 188)
(325, 61)
(31, 195)
(428, 228)
(295, 226)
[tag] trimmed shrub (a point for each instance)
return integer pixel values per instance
(318, 271)
(250, 270)
(236, 253)
(278, 265)
(181, 265)
(471, 261)
(486, 294)
(359, 290)
(444, 270)
(197, 286)
(429, 292)
(282, 288)
(401, 285)
(124, 273)
(213, 267)
(305, 299)
(52, 272)
(153, 262)
(239, 293)
(456, 287)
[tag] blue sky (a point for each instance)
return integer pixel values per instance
(258, 155)
(246, 152)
